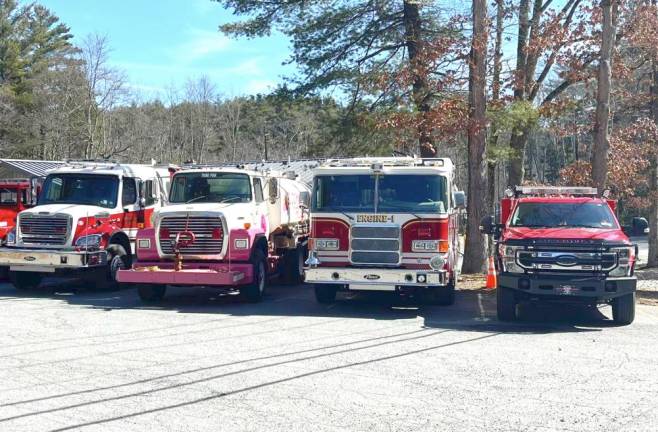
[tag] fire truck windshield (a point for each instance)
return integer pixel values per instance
(88, 189)
(393, 193)
(564, 215)
(210, 187)
(8, 196)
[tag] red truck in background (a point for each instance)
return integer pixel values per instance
(16, 195)
(562, 244)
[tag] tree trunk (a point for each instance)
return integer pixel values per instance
(519, 137)
(601, 135)
(475, 251)
(495, 96)
(652, 260)
(413, 29)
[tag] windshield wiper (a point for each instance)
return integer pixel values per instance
(582, 226)
(534, 226)
(196, 199)
(229, 199)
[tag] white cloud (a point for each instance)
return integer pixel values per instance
(201, 44)
(251, 67)
(259, 86)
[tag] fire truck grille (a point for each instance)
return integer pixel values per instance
(48, 230)
(375, 245)
(208, 232)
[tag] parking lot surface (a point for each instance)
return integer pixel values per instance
(102, 361)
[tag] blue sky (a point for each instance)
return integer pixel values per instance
(165, 42)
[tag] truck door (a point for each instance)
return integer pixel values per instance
(148, 198)
(132, 211)
(261, 206)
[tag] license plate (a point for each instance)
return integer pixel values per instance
(566, 290)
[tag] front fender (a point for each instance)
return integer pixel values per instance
(145, 246)
(251, 235)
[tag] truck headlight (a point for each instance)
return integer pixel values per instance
(326, 244)
(625, 261)
(89, 241)
(508, 258)
(437, 262)
(10, 240)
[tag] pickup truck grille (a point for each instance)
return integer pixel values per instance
(209, 233)
(44, 230)
(376, 245)
(565, 260)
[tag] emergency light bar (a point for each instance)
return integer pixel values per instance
(555, 191)
(376, 163)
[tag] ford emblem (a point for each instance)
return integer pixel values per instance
(566, 260)
(371, 276)
(29, 258)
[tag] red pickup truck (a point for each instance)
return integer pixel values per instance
(562, 244)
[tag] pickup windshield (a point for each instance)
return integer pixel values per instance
(97, 190)
(564, 215)
(394, 193)
(210, 187)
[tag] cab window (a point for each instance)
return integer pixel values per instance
(149, 192)
(129, 194)
(258, 190)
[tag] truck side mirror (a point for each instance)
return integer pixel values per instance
(459, 198)
(487, 225)
(305, 199)
(273, 190)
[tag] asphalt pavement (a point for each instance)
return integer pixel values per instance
(102, 361)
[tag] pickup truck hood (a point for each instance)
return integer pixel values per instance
(521, 233)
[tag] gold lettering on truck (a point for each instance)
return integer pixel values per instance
(374, 218)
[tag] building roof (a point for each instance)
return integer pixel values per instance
(26, 168)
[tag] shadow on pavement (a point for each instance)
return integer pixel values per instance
(474, 310)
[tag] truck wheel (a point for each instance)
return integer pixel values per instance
(117, 259)
(25, 281)
(623, 309)
(505, 304)
(151, 293)
(255, 290)
(325, 293)
(293, 269)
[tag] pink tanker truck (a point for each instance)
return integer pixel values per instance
(229, 228)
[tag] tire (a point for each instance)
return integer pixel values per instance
(25, 281)
(4, 273)
(623, 309)
(254, 292)
(117, 259)
(325, 293)
(506, 304)
(293, 268)
(151, 293)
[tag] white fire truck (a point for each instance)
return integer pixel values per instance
(385, 224)
(86, 218)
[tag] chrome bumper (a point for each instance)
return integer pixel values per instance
(48, 261)
(376, 279)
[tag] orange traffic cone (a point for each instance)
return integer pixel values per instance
(492, 279)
